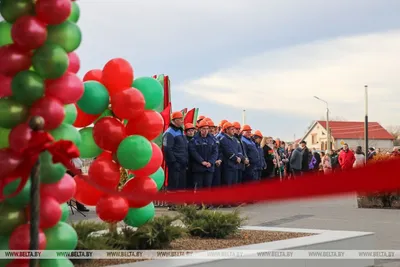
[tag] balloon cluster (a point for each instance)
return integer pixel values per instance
(121, 108)
(37, 78)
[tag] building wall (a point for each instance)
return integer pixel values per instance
(353, 143)
(320, 137)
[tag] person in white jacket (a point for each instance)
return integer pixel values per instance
(360, 158)
(326, 163)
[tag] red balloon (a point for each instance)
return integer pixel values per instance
(62, 191)
(105, 155)
(53, 12)
(5, 86)
(104, 172)
(83, 119)
(74, 62)
(108, 132)
(140, 186)
(112, 209)
(85, 193)
(68, 89)
(19, 137)
(29, 33)
(128, 104)
(20, 238)
(51, 110)
(149, 124)
(9, 161)
(50, 212)
(153, 165)
(93, 75)
(14, 60)
(117, 75)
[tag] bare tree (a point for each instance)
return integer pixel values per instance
(394, 130)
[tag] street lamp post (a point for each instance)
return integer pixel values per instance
(327, 123)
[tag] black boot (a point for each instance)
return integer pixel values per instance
(81, 207)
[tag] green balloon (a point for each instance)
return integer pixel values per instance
(10, 218)
(5, 33)
(75, 12)
(4, 241)
(151, 89)
(106, 113)
(88, 147)
(50, 172)
(140, 216)
(70, 114)
(61, 237)
(95, 98)
(11, 10)
(158, 177)
(65, 212)
(12, 113)
(134, 152)
(27, 87)
(67, 132)
(4, 133)
(59, 262)
(67, 35)
(21, 200)
(50, 61)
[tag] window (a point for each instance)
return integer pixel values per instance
(323, 146)
(314, 139)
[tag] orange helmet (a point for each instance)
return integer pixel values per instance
(258, 133)
(201, 118)
(236, 125)
(202, 124)
(221, 124)
(246, 128)
(176, 115)
(227, 125)
(211, 123)
(189, 126)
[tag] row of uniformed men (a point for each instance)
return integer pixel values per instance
(209, 156)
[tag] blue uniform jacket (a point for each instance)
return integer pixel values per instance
(203, 149)
(230, 150)
(175, 147)
(217, 138)
(252, 153)
(242, 151)
(263, 163)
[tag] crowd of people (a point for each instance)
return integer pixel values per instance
(209, 155)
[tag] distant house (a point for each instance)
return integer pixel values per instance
(349, 132)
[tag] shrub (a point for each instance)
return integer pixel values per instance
(211, 223)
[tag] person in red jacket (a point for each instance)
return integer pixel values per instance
(346, 158)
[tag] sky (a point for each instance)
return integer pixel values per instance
(266, 57)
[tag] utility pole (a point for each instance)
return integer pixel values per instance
(244, 117)
(329, 146)
(366, 120)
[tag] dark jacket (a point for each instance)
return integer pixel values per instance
(242, 150)
(305, 160)
(175, 147)
(252, 153)
(262, 165)
(296, 159)
(203, 149)
(230, 151)
(269, 159)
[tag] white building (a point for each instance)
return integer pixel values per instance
(349, 132)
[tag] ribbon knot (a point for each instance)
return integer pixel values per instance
(62, 151)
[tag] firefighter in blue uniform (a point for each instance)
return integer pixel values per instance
(257, 137)
(252, 153)
(204, 153)
(231, 156)
(218, 172)
(190, 131)
(176, 152)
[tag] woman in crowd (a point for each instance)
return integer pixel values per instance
(360, 158)
(267, 147)
(326, 163)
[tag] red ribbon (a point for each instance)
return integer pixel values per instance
(377, 177)
(62, 151)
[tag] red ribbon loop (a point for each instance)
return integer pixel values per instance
(62, 151)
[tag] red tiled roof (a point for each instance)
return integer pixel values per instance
(355, 130)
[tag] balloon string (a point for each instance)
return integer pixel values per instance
(376, 177)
